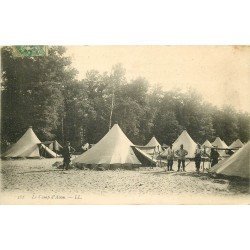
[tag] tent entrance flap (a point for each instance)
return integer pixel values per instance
(46, 152)
(143, 157)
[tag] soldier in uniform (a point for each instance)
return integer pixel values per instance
(214, 156)
(197, 157)
(170, 158)
(181, 154)
(66, 153)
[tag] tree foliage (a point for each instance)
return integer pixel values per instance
(44, 92)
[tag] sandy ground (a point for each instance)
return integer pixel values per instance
(46, 184)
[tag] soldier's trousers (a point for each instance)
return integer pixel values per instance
(181, 162)
(170, 165)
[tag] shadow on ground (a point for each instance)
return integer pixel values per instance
(236, 185)
(41, 171)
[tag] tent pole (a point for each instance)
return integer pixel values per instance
(112, 106)
(159, 154)
(62, 131)
(152, 159)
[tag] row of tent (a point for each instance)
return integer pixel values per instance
(116, 149)
(237, 164)
(29, 146)
(191, 146)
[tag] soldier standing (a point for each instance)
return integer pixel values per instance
(170, 158)
(181, 154)
(66, 153)
(214, 156)
(197, 157)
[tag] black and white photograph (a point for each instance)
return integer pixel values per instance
(125, 124)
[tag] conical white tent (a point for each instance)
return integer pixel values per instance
(236, 165)
(188, 144)
(207, 143)
(152, 147)
(220, 144)
(153, 143)
(113, 148)
(207, 146)
(236, 144)
(27, 146)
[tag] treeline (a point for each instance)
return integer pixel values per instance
(43, 92)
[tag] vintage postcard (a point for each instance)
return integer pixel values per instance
(125, 124)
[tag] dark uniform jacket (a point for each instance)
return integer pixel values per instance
(214, 155)
(66, 152)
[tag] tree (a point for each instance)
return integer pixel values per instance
(225, 123)
(166, 127)
(32, 92)
(178, 111)
(98, 112)
(131, 107)
(243, 126)
(44, 92)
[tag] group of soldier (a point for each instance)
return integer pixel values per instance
(181, 154)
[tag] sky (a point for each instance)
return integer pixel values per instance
(221, 74)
